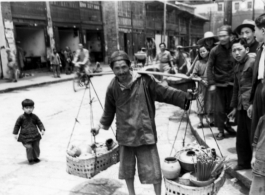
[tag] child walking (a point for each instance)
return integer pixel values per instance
(31, 130)
(200, 72)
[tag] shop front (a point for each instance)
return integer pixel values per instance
(31, 41)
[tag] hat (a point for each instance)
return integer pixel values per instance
(179, 46)
(117, 56)
(246, 23)
(207, 35)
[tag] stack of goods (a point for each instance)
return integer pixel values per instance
(93, 159)
(93, 150)
(193, 166)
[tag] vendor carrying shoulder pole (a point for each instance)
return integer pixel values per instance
(131, 97)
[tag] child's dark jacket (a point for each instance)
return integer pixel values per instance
(242, 83)
(28, 124)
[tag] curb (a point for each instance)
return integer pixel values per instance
(34, 85)
(246, 181)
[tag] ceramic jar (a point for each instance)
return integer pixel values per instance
(171, 168)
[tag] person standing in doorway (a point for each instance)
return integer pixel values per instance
(68, 60)
(220, 77)
(56, 63)
(20, 59)
(12, 65)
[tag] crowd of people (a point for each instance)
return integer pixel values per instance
(231, 88)
(230, 70)
(231, 73)
(64, 60)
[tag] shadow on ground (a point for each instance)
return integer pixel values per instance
(102, 186)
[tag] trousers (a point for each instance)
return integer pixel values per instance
(222, 109)
(32, 149)
(243, 139)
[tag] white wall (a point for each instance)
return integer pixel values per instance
(3, 43)
(32, 41)
(243, 5)
(67, 39)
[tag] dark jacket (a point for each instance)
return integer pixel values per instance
(253, 47)
(220, 66)
(242, 83)
(27, 124)
(259, 144)
(255, 80)
(135, 109)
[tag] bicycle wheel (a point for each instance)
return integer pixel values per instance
(77, 84)
(86, 80)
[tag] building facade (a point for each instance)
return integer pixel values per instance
(214, 11)
(141, 22)
(101, 26)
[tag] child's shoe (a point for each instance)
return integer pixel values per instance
(36, 160)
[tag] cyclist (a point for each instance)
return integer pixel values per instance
(81, 59)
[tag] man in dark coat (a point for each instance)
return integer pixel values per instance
(131, 96)
(257, 96)
(220, 77)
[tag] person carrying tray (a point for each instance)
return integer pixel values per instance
(131, 96)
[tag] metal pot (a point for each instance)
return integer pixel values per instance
(188, 160)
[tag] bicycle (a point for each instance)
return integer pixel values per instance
(81, 79)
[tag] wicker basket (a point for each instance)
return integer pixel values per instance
(173, 188)
(92, 165)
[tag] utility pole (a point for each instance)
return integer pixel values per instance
(228, 12)
(253, 10)
(165, 22)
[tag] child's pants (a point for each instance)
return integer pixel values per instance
(56, 70)
(257, 186)
(32, 149)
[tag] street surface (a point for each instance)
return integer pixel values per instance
(57, 106)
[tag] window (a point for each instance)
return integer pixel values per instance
(236, 6)
(250, 5)
(220, 7)
(82, 4)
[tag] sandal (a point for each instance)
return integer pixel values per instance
(220, 136)
(200, 125)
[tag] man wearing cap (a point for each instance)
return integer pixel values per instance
(131, 96)
(141, 56)
(247, 30)
(220, 78)
(208, 40)
(181, 60)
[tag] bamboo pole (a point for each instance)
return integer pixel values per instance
(181, 76)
